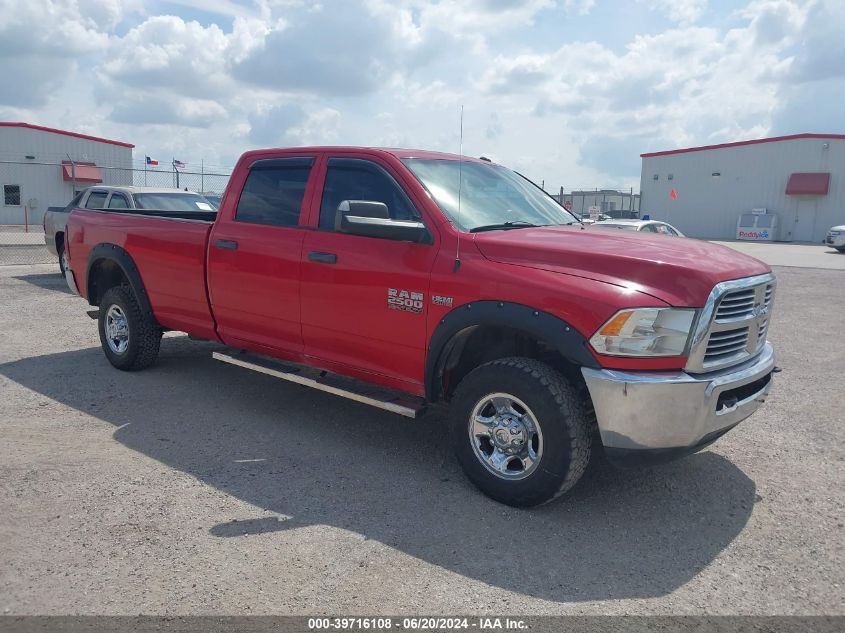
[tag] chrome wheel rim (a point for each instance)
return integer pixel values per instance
(116, 330)
(505, 436)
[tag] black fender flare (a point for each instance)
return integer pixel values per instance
(116, 254)
(454, 329)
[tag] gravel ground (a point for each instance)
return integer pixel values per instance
(200, 488)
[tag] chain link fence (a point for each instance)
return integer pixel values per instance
(610, 202)
(31, 189)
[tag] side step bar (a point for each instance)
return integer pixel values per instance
(387, 399)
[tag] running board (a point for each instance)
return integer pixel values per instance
(382, 398)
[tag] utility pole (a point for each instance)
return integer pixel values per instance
(72, 174)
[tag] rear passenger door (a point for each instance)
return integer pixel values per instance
(254, 258)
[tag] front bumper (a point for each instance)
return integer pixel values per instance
(837, 241)
(657, 416)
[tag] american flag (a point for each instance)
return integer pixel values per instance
(151, 161)
(178, 163)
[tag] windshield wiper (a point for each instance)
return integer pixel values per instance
(511, 224)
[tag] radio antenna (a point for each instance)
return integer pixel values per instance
(460, 186)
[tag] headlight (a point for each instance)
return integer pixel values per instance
(645, 332)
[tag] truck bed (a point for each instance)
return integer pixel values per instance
(169, 250)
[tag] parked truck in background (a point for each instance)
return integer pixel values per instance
(407, 279)
(117, 199)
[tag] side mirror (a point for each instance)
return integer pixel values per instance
(372, 219)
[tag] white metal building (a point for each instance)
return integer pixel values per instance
(42, 167)
(786, 188)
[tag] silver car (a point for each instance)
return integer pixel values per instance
(836, 238)
(647, 226)
(117, 198)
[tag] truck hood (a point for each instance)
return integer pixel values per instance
(677, 270)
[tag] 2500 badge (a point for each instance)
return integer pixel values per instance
(404, 300)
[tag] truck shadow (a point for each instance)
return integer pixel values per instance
(47, 281)
(314, 459)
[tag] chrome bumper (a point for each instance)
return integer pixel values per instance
(674, 413)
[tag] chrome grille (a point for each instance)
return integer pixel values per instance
(736, 305)
(726, 344)
(762, 330)
(734, 323)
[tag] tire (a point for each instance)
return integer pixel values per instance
(62, 260)
(841, 249)
(120, 314)
(545, 417)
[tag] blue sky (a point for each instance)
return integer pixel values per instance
(569, 92)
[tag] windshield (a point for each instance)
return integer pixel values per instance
(172, 202)
(491, 195)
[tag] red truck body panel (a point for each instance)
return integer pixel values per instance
(670, 270)
(170, 256)
(269, 296)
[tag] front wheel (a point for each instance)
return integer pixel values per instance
(520, 431)
(130, 338)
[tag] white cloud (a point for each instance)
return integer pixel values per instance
(396, 72)
(683, 12)
(684, 86)
(167, 52)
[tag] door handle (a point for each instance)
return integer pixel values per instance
(322, 258)
(227, 244)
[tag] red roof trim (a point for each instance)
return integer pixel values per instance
(771, 139)
(65, 132)
(808, 184)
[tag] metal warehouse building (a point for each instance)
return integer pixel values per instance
(785, 188)
(42, 167)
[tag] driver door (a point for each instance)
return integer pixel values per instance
(365, 299)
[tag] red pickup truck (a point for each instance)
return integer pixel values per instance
(405, 279)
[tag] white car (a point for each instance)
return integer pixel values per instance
(647, 226)
(121, 198)
(836, 238)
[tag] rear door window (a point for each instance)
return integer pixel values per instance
(274, 191)
(97, 200)
(118, 201)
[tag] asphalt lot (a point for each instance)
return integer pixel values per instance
(798, 254)
(197, 487)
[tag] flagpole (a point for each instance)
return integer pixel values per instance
(145, 170)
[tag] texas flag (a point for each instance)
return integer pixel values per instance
(151, 161)
(178, 163)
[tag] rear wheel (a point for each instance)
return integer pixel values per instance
(520, 431)
(130, 338)
(64, 260)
